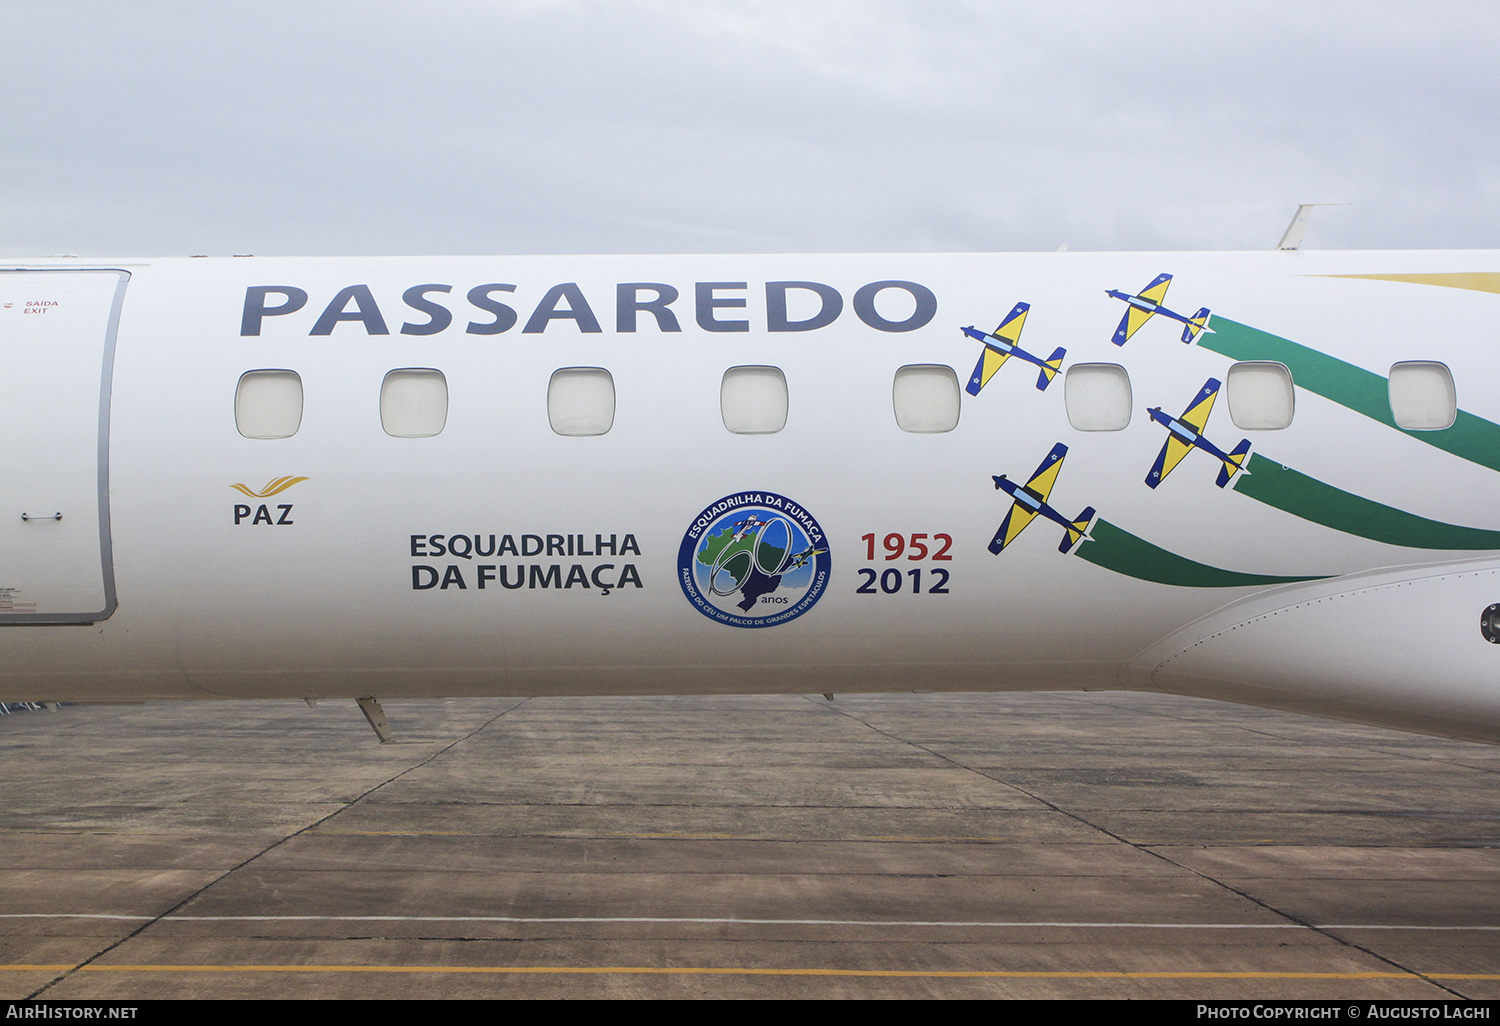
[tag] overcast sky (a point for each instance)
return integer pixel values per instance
(161, 129)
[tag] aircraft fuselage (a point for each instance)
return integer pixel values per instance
(514, 476)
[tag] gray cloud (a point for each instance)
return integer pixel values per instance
(383, 127)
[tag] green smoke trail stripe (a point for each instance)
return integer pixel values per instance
(1472, 438)
(1311, 499)
(1116, 549)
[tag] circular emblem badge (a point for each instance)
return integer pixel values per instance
(753, 559)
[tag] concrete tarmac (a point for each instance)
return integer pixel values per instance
(1049, 845)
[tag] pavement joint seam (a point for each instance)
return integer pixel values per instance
(1145, 850)
(87, 962)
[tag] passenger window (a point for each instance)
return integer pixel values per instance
(1422, 396)
(414, 402)
(753, 400)
(1097, 396)
(581, 401)
(1260, 396)
(926, 398)
(268, 404)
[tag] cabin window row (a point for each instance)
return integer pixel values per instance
(1261, 397)
(753, 400)
(581, 401)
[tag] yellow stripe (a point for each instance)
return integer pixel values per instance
(655, 836)
(1006, 974)
(1479, 281)
(1197, 414)
(1176, 451)
(1019, 518)
(993, 361)
(1158, 293)
(1137, 317)
(1044, 481)
(1011, 329)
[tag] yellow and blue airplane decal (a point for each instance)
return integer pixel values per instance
(1147, 303)
(1003, 343)
(1030, 501)
(1275, 484)
(1185, 433)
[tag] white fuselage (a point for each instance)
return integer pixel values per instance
(498, 557)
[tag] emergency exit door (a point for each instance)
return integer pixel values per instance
(57, 339)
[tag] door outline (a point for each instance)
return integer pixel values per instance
(106, 379)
